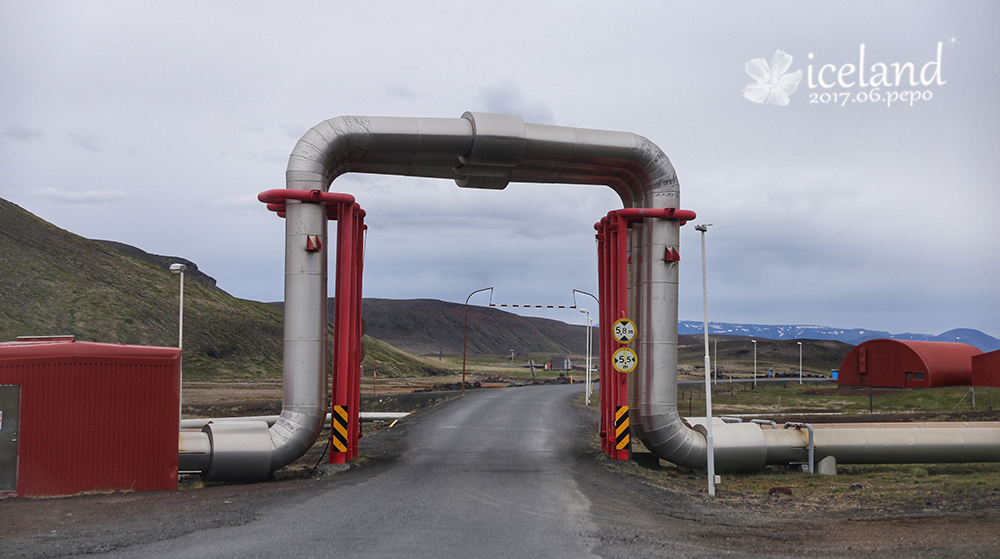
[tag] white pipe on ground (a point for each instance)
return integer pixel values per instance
(366, 416)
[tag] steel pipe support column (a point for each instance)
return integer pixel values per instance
(347, 326)
(624, 271)
(613, 286)
(229, 456)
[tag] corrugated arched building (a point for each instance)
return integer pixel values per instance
(986, 369)
(908, 364)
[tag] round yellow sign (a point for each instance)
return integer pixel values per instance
(623, 330)
(624, 360)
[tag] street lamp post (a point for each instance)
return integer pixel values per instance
(589, 326)
(178, 268)
(800, 362)
(465, 332)
(590, 343)
(754, 363)
(708, 378)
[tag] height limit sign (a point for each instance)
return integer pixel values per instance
(624, 359)
(624, 330)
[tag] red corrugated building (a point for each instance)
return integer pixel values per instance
(908, 364)
(986, 369)
(82, 416)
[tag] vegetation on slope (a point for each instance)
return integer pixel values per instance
(54, 282)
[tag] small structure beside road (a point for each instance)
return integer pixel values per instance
(908, 364)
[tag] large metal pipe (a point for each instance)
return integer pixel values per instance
(489, 151)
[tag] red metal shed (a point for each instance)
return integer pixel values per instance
(82, 416)
(908, 364)
(986, 369)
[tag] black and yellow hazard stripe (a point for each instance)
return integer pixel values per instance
(338, 429)
(621, 427)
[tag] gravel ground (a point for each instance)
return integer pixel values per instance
(636, 514)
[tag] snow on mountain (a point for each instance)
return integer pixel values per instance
(854, 336)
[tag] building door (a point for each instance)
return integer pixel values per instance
(10, 403)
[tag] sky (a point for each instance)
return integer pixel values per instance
(837, 197)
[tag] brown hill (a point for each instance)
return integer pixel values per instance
(432, 327)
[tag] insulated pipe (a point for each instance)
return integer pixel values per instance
(889, 443)
(489, 151)
(250, 450)
(368, 416)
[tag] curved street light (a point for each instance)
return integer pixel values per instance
(590, 343)
(589, 326)
(465, 331)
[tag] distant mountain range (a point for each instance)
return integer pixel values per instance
(853, 336)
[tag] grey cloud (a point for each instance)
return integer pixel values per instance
(80, 197)
(508, 99)
(87, 141)
(23, 133)
(400, 91)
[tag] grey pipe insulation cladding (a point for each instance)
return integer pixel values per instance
(481, 150)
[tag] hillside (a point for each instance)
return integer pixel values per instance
(737, 354)
(54, 282)
(432, 327)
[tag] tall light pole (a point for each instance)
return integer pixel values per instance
(754, 363)
(800, 362)
(178, 268)
(590, 343)
(708, 362)
(465, 331)
(589, 325)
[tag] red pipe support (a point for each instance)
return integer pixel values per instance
(349, 254)
(276, 198)
(612, 275)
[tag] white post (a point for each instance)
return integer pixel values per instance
(587, 391)
(180, 340)
(800, 362)
(180, 321)
(708, 367)
(754, 363)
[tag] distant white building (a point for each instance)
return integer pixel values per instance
(561, 364)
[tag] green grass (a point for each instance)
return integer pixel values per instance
(793, 398)
(857, 491)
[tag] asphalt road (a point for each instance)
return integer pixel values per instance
(485, 476)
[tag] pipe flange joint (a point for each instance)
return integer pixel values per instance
(498, 144)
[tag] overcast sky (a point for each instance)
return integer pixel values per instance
(156, 125)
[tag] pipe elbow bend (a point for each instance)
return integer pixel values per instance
(292, 435)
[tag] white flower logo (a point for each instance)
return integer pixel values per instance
(773, 85)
